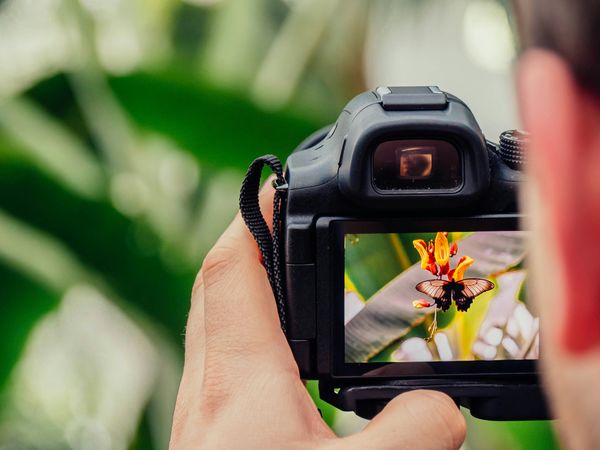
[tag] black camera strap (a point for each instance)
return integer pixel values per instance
(269, 242)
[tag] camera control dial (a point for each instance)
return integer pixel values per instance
(512, 148)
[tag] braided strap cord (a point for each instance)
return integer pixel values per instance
(268, 242)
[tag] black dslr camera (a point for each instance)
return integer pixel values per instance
(397, 257)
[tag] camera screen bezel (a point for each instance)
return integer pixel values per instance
(330, 320)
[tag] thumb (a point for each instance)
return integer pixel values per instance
(417, 419)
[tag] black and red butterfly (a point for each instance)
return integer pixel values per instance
(463, 292)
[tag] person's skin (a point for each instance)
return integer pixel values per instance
(563, 202)
(241, 388)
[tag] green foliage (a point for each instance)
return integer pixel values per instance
(372, 261)
(533, 435)
(222, 129)
(93, 230)
(129, 260)
(23, 303)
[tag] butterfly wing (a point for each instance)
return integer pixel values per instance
(472, 287)
(469, 288)
(437, 290)
(433, 288)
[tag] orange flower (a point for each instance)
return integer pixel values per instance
(444, 269)
(422, 304)
(433, 269)
(426, 253)
(442, 250)
(436, 254)
(459, 273)
(421, 247)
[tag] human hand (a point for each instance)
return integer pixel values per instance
(241, 387)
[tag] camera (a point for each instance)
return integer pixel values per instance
(397, 258)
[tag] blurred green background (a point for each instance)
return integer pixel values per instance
(125, 128)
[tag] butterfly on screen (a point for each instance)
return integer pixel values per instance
(462, 292)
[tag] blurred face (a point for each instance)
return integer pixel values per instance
(563, 202)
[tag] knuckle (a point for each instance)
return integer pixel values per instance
(219, 387)
(213, 398)
(218, 257)
(218, 262)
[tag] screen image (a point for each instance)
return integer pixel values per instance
(437, 296)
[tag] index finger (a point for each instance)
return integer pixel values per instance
(233, 308)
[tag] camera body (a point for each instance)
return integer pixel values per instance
(399, 161)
